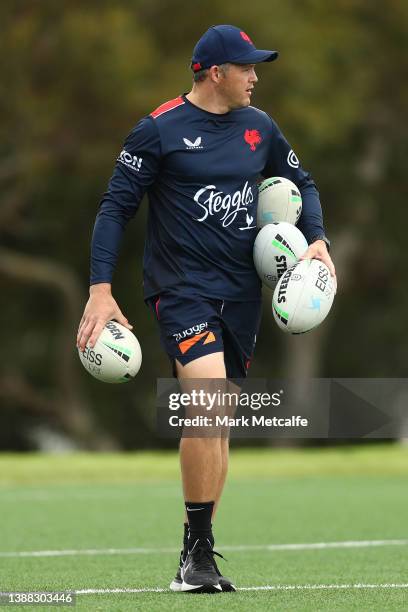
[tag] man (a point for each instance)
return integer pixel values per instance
(199, 158)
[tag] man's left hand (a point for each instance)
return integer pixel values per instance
(318, 250)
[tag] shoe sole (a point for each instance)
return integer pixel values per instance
(201, 588)
(228, 588)
(175, 586)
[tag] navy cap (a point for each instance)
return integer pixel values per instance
(226, 43)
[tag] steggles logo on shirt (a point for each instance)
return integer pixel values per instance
(226, 206)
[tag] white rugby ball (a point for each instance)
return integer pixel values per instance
(279, 200)
(303, 296)
(116, 356)
(277, 248)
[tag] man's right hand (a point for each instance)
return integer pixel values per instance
(100, 308)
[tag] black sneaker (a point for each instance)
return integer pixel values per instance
(199, 572)
(177, 581)
(225, 583)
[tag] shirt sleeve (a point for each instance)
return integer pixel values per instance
(282, 161)
(136, 169)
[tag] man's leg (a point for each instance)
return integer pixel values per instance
(204, 464)
(224, 471)
(234, 389)
(207, 457)
(192, 336)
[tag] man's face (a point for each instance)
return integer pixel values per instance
(237, 83)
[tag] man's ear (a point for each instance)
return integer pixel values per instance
(215, 73)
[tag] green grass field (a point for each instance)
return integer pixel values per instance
(106, 522)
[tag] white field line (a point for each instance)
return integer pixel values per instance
(238, 548)
(268, 587)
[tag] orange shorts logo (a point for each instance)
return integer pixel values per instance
(187, 344)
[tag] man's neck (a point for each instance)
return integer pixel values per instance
(209, 103)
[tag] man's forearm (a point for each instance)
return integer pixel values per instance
(311, 219)
(106, 240)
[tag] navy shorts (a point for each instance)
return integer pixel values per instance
(192, 326)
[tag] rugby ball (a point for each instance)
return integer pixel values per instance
(277, 247)
(303, 296)
(116, 356)
(279, 200)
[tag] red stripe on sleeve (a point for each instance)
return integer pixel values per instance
(167, 106)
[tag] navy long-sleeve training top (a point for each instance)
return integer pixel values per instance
(200, 171)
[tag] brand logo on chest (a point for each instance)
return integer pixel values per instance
(226, 206)
(253, 138)
(193, 145)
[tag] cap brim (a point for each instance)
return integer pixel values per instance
(256, 57)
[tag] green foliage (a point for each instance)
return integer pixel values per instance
(77, 76)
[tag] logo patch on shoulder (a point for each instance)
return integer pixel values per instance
(293, 160)
(131, 161)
